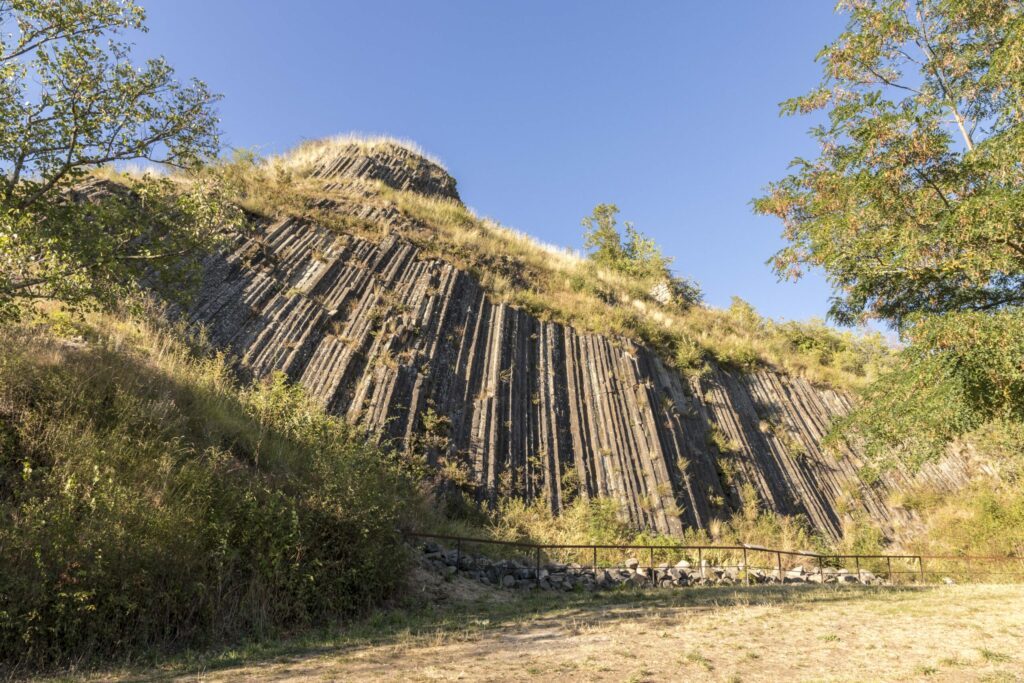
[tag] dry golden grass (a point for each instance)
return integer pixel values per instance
(305, 157)
(949, 633)
(551, 282)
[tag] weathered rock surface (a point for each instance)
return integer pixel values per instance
(395, 166)
(382, 335)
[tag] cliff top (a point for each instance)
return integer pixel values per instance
(399, 164)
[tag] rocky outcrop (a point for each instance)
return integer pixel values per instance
(394, 165)
(413, 348)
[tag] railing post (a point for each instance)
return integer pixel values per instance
(888, 561)
(537, 565)
(746, 569)
(700, 561)
(821, 569)
(920, 566)
(857, 559)
(595, 561)
(778, 557)
(653, 582)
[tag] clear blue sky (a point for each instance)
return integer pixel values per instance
(541, 110)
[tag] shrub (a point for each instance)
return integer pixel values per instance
(147, 502)
(959, 372)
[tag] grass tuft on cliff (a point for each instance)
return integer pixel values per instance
(150, 503)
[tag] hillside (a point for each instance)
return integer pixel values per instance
(521, 368)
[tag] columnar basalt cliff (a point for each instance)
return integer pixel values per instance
(384, 336)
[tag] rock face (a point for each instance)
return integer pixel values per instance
(414, 348)
(395, 166)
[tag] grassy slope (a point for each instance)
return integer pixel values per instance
(148, 502)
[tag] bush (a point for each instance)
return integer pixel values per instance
(148, 503)
(959, 372)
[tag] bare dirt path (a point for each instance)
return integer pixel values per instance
(949, 633)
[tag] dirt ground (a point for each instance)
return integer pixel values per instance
(947, 633)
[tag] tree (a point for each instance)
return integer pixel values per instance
(915, 203)
(960, 372)
(915, 210)
(601, 236)
(639, 256)
(71, 101)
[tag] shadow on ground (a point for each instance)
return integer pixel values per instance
(468, 620)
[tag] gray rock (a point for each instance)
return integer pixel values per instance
(638, 580)
(508, 581)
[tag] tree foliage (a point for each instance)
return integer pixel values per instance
(914, 203)
(914, 208)
(72, 100)
(638, 255)
(960, 372)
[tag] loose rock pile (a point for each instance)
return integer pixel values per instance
(566, 577)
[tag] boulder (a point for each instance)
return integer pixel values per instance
(638, 580)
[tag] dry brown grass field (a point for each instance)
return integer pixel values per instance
(937, 633)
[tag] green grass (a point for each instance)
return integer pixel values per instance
(695, 657)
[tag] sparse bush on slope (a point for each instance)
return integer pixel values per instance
(147, 502)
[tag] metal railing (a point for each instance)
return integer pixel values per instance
(748, 560)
